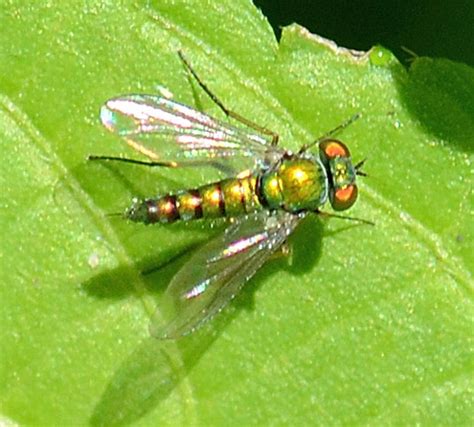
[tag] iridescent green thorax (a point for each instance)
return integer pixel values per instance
(296, 185)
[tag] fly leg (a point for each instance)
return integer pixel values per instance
(133, 161)
(284, 251)
(220, 166)
(229, 113)
(348, 218)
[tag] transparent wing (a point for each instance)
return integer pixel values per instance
(216, 273)
(167, 131)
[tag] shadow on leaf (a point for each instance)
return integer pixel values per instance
(119, 282)
(439, 93)
(156, 367)
(305, 250)
(147, 377)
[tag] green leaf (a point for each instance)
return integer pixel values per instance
(370, 325)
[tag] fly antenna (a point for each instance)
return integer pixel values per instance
(358, 166)
(332, 132)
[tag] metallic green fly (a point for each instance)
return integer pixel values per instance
(267, 192)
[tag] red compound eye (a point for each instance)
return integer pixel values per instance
(344, 198)
(333, 148)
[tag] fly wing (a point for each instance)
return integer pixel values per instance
(167, 131)
(216, 273)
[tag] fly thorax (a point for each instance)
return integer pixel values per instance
(296, 185)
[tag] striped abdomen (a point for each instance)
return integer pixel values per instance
(229, 197)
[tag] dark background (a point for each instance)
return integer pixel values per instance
(429, 28)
